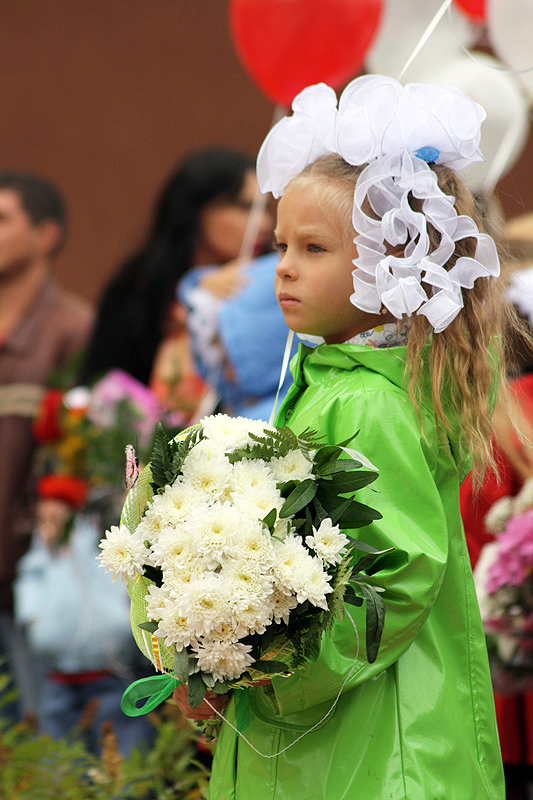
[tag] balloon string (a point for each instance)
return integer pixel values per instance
(257, 211)
(426, 35)
(313, 727)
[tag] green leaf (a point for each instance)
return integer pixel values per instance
(325, 454)
(349, 481)
(221, 687)
(299, 498)
(151, 627)
(340, 465)
(375, 619)
(270, 667)
(351, 597)
(160, 460)
(339, 583)
(369, 559)
(357, 544)
(181, 665)
(357, 515)
(337, 513)
(320, 512)
(197, 690)
(270, 520)
(311, 647)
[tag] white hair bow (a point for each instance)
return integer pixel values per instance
(395, 130)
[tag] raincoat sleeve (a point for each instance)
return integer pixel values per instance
(413, 523)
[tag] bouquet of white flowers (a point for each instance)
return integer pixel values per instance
(231, 545)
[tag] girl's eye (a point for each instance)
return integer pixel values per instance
(280, 247)
(315, 248)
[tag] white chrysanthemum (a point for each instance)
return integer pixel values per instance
(257, 501)
(177, 501)
(252, 615)
(291, 558)
(313, 584)
(281, 605)
(247, 578)
(156, 598)
(499, 515)
(182, 573)
(328, 542)
(151, 525)
(205, 450)
(207, 603)
(172, 626)
(251, 473)
(254, 545)
(292, 467)
(524, 499)
(123, 553)
(209, 476)
(173, 547)
(224, 659)
(216, 531)
(231, 432)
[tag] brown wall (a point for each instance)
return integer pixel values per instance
(104, 97)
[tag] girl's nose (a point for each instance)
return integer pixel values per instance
(286, 267)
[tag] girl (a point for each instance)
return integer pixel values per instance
(408, 364)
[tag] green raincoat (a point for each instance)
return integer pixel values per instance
(419, 723)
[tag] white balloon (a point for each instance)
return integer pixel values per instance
(403, 24)
(510, 26)
(504, 133)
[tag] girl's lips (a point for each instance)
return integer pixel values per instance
(287, 300)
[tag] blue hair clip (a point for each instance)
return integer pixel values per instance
(428, 154)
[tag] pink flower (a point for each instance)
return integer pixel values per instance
(514, 563)
(112, 390)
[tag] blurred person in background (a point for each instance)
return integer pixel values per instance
(41, 328)
(200, 219)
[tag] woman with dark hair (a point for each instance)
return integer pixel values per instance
(199, 220)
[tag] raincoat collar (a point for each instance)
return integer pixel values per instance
(308, 365)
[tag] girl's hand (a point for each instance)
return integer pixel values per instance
(203, 711)
(224, 282)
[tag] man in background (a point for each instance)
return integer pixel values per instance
(41, 328)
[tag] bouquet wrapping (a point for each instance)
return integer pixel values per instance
(231, 545)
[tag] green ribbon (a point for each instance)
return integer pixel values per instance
(152, 690)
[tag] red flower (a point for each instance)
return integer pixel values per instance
(64, 487)
(47, 425)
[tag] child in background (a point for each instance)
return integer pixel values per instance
(409, 365)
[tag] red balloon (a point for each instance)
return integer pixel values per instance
(286, 45)
(475, 9)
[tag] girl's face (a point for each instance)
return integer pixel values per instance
(223, 222)
(314, 274)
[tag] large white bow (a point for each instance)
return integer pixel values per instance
(387, 126)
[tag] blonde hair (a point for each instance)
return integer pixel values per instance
(468, 362)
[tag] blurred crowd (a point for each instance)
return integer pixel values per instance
(187, 326)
